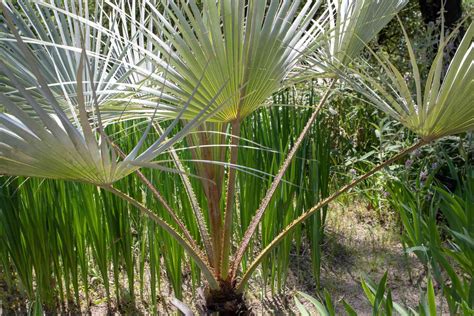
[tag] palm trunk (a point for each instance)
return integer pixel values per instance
(212, 185)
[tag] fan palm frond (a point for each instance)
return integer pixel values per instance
(57, 35)
(445, 107)
(40, 136)
(347, 26)
(251, 45)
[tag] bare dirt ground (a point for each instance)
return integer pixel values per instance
(359, 243)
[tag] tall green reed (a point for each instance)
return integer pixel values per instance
(305, 183)
(54, 233)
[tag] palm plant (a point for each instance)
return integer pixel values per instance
(209, 66)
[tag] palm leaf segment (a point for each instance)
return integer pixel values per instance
(445, 107)
(50, 123)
